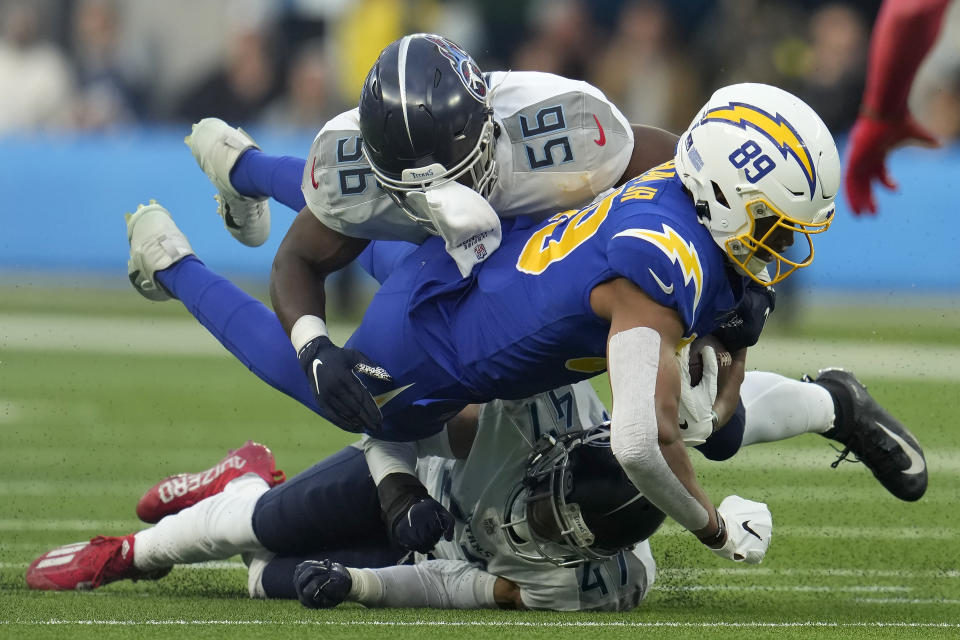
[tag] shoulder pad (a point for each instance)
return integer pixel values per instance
(341, 191)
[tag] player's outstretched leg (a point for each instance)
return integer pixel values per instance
(155, 244)
(175, 493)
(163, 265)
(88, 565)
(878, 439)
(216, 146)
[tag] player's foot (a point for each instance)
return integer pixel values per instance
(878, 439)
(175, 493)
(216, 146)
(155, 244)
(88, 565)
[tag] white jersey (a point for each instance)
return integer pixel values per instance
(561, 143)
(476, 491)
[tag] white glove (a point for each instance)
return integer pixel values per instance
(696, 403)
(465, 220)
(749, 528)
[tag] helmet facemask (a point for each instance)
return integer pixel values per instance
(477, 170)
(770, 234)
(549, 520)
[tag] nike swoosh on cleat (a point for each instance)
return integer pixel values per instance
(917, 463)
(603, 138)
(667, 290)
(384, 398)
(746, 527)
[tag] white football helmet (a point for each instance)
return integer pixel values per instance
(761, 166)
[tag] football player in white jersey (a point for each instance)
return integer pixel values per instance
(428, 123)
(545, 519)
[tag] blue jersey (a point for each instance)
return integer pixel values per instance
(521, 323)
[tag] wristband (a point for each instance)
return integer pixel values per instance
(715, 419)
(305, 329)
(398, 492)
(716, 540)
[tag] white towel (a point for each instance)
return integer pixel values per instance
(465, 220)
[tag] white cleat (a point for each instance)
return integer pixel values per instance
(216, 146)
(155, 244)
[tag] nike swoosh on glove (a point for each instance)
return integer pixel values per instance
(424, 523)
(341, 396)
(749, 528)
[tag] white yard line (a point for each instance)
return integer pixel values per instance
(559, 624)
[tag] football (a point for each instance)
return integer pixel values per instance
(696, 360)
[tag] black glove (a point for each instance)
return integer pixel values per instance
(321, 584)
(416, 521)
(742, 327)
(341, 396)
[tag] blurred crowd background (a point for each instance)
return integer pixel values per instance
(105, 90)
(109, 64)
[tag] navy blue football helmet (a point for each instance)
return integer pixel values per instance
(426, 119)
(575, 503)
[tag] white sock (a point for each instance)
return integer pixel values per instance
(779, 408)
(213, 529)
(255, 567)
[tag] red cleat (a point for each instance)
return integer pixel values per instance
(175, 493)
(88, 565)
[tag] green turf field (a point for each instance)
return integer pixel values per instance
(102, 394)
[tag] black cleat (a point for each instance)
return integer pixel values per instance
(879, 440)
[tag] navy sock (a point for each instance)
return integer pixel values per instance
(242, 324)
(258, 175)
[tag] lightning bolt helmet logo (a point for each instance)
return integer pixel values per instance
(775, 128)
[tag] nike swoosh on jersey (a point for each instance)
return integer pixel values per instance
(313, 174)
(917, 464)
(384, 398)
(666, 289)
(602, 140)
(746, 527)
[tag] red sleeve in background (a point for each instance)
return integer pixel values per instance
(903, 34)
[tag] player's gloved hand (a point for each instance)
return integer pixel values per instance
(871, 139)
(749, 526)
(417, 521)
(421, 528)
(341, 396)
(696, 400)
(321, 584)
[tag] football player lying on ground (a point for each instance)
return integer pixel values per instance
(544, 519)
(528, 458)
(539, 312)
(531, 143)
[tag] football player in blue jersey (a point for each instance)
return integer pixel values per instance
(620, 285)
(529, 143)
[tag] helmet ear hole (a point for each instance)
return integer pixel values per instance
(718, 195)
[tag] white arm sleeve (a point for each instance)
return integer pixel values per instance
(437, 584)
(633, 362)
(384, 458)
